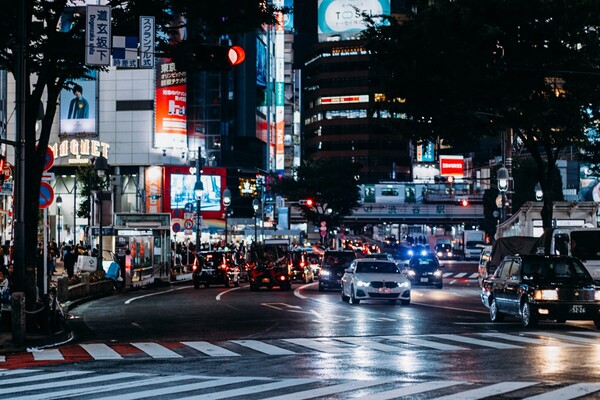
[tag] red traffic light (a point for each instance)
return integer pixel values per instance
(464, 202)
(236, 55)
(306, 202)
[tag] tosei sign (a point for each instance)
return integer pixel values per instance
(452, 166)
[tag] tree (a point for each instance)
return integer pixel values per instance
(54, 54)
(463, 69)
(330, 183)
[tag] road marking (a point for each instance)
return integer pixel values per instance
(522, 339)
(155, 350)
(343, 387)
(411, 389)
(47, 355)
(568, 338)
(175, 389)
(100, 351)
(263, 347)
(370, 344)
(250, 389)
(322, 345)
(474, 276)
(460, 275)
(36, 378)
(210, 349)
(478, 342)
(425, 343)
(226, 291)
(570, 392)
(488, 391)
(447, 274)
(155, 294)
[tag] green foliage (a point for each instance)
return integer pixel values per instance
(331, 183)
(462, 69)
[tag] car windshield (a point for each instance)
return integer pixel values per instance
(562, 270)
(339, 259)
(424, 261)
(377, 268)
(213, 259)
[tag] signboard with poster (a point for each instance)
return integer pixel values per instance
(452, 166)
(343, 18)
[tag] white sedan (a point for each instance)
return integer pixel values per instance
(370, 279)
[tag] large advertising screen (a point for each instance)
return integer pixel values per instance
(343, 18)
(78, 107)
(179, 190)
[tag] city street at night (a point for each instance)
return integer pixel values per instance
(179, 342)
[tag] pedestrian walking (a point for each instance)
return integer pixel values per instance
(70, 261)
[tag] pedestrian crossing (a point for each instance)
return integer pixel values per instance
(44, 384)
(301, 346)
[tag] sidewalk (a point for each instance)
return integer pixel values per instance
(36, 341)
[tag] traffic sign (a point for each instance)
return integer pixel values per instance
(176, 227)
(48, 159)
(189, 207)
(323, 233)
(177, 213)
(188, 224)
(46, 195)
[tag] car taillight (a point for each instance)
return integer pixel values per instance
(302, 264)
(194, 267)
(282, 278)
(223, 266)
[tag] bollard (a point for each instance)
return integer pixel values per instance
(62, 290)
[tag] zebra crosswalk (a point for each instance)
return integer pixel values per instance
(300, 346)
(38, 384)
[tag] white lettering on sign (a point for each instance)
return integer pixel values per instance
(80, 147)
(452, 165)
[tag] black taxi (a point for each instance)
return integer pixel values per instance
(215, 268)
(539, 287)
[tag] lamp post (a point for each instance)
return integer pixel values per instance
(539, 194)
(502, 177)
(101, 168)
(255, 207)
(226, 203)
(198, 189)
(59, 227)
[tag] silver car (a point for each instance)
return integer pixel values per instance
(370, 279)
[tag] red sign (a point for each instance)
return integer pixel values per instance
(46, 195)
(452, 166)
(7, 170)
(48, 159)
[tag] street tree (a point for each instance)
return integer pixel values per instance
(331, 185)
(37, 45)
(462, 69)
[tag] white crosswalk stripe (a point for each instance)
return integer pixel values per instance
(322, 345)
(210, 349)
(38, 384)
(48, 355)
(523, 339)
(155, 350)
(100, 351)
(425, 343)
(262, 347)
(478, 342)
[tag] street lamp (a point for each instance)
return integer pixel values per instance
(101, 168)
(539, 194)
(502, 178)
(59, 227)
(226, 203)
(198, 189)
(255, 205)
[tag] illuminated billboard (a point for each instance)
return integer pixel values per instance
(343, 19)
(78, 107)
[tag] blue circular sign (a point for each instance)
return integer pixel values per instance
(46, 195)
(189, 207)
(176, 227)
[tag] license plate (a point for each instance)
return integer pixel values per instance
(266, 280)
(385, 290)
(577, 309)
(424, 279)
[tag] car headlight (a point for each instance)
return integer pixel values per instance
(449, 254)
(597, 294)
(362, 283)
(439, 254)
(324, 273)
(546, 295)
(437, 273)
(410, 272)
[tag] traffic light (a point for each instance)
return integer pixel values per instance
(306, 202)
(464, 202)
(217, 58)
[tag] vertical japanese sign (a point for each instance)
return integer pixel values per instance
(171, 95)
(279, 89)
(97, 35)
(153, 187)
(147, 35)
